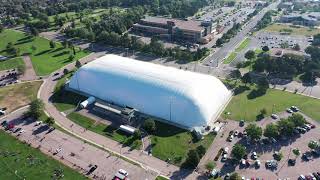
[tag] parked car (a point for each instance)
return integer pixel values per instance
(50, 130)
(258, 163)
(38, 123)
(93, 168)
(295, 108)
(292, 162)
(4, 123)
(274, 116)
(236, 133)
(224, 157)
(230, 138)
(289, 110)
(302, 177)
(254, 155)
(123, 172)
(17, 130)
(215, 173)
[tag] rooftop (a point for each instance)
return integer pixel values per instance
(181, 24)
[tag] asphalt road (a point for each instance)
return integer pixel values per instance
(216, 58)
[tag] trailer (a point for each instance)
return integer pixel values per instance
(87, 102)
(128, 129)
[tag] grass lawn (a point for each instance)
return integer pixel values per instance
(65, 100)
(172, 142)
(20, 161)
(292, 29)
(11, 63)
(274, 100)
(103, 129)
(44, 59)
(161, 178)
(230, 58)
(243, 45)
(15, 96)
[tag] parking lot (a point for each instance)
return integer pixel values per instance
(74, 152)
(265, 152)
(8, 77)
(274, 40)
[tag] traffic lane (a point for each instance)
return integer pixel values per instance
(76, 153)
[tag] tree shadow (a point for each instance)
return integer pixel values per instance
(40, 130)
(256, 93)
(56, 50)
(23, 42)
(25, 38)
(61, 53)
(240, 89)
(43, 52)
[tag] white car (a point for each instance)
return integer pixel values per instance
(123, 172)
(224, 157)
(254, 155)
(38, 123)
(58, 150)
(274, 116)
(226, 150)
(21, 131)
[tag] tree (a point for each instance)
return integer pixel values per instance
(254, 131)
(271, 131)
(33, 48)
(265, 48)
(78, 64)
(297, 119)
(235, 176)
(71, 57)
(137, 134)
(263, 111)
(49, 121)
(52, 44)
(250, 55)
(286, 127)
(235, 74)
(65, 71)
(246, 78)
(34, 31)
(296, 152)
(1, 28)
(313, 145)
(210, 165)
(201, 150)
(238, 151)
(149, 125)
(65, 44)
(296, 47)
(36, 108)
(192, 158)
(219, 42)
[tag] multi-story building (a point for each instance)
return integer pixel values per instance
(175, 29)
(307, 19)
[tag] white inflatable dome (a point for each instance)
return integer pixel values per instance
(180, 97)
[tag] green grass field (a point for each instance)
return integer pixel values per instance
(174, 143)
(44, 59)
(243, 45)
(273, 101)
(161, 178)
(102, 129)
(20, 161)
(230, 58)
(11, 63)
(291, 29)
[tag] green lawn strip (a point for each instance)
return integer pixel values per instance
(65, 100)
(20, 161)
(99, 128)
(230, 58)
(161, 178)
(11, 63)
(242, 107)
(174, 143)
(44, 59)
(293, 30)
(243, 45)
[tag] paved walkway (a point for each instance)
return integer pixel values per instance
(75, 153)
(148, 162)
(29, 73)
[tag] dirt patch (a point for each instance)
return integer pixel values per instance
(15, 96)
